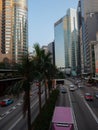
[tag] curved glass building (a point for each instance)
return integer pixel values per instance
(13, 29)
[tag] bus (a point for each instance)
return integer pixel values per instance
(62, 118)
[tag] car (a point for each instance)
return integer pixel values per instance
(96, 94)
(6, 102)
(88, 96)
(80, 85)
(71, 87)
(63, 90)
(77, 81)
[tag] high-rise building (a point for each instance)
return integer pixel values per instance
(59, 43)
(13, 30)
(89, 15)
(52, 51)
(72, 39)
(66, 40)
(80, 47)
(45, 48)
(96, 56)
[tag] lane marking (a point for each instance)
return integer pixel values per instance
(20, 118)
(3, 116)
(75, 123)
(91, 111)
(15, 123)
(94, 116)
(9, 111)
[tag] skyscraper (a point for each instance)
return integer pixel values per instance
(72, 39)
(59, 43)
(52, 51)
(13, 30)
(89, 15)
(66, 40)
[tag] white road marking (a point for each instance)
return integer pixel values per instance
(19, 104)
(2, 116)
(91, 111)
(75, 123)
(7, 112)
(11, 110)
(15, 123)
(94, 116)
(20, 118)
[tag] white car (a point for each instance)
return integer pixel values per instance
(80, 85)
(78, 81)
(71, 87)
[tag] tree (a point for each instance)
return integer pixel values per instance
(46, 62)
(45, 70)
(51, 74)
(26, 71)
(38, 64)
(43, 63)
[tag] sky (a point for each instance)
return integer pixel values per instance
(42, 14)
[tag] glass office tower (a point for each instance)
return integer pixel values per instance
(66, 40)
(13, 29)
(72, 39)
(59, 44)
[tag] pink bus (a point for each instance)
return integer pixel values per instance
(62, 119)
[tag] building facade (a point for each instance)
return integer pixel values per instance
(72, 39)
(80, 48)
(13, 30)
(59, 44)
(51, 49)
(96, 58)
(66, 40)
(89, 16)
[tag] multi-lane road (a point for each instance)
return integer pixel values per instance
(85, 113)
(11, 117)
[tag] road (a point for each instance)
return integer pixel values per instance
(85, 113)
(12, 117)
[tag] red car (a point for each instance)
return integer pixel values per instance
(6, 102)
(88, 96)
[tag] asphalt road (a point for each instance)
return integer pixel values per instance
(12, 118)
(85, 113)
(63, 99)
(86, 118)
